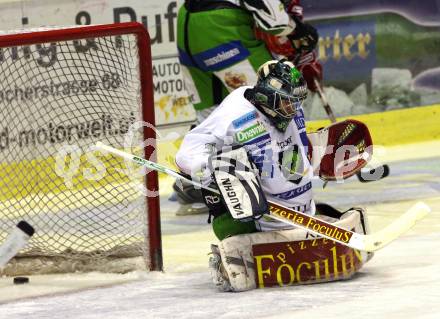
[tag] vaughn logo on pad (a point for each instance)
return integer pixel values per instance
(232, 198)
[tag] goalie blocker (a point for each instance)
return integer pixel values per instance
(240, 199)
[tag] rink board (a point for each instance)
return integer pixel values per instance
(396, 127)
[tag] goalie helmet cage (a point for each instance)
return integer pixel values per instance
(75, 86)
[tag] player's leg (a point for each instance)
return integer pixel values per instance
(207, 83)
(244, 261)
(199, 84)
(194, 48)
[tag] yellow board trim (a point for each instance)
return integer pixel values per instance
(24, 179)
(418, 124)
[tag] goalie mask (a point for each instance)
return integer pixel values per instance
(279, 92)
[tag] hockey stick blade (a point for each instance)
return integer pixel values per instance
(16, 241)
(309, 223)
(366, 177)
(400, 226)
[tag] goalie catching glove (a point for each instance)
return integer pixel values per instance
(340, 150)
(240, 192)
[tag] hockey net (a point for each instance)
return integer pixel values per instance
(62, 90)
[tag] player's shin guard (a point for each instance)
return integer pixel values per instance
(291, 257)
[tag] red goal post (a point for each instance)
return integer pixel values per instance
(55, 93)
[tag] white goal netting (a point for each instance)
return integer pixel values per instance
(57, 99)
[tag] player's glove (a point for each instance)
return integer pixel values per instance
(293, 8)
(305, 37)
(311, 69)
(301, 41)
(340, 150)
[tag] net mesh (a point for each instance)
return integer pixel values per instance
(57, 100)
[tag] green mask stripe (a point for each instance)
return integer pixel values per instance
(295, 75)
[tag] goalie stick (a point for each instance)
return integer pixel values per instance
(311, 224)
(384, 168)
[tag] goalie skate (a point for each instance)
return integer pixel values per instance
(189, 198)
(192, 209)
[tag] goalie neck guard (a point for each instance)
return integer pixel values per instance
(279, 92)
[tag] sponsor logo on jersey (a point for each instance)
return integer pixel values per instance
(261, 143)
(248, 117)
(294, 192)
(250, 133)
(299, 119)
(222, 56)
(285, 143)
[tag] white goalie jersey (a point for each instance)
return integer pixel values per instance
(281, 157)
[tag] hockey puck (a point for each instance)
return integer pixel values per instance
(370, 176)
(21, 280)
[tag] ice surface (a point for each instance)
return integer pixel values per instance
(401, 281)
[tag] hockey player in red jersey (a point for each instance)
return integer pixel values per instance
(296, 47)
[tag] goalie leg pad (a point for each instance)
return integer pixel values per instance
(218, 274)
(289, 257)
(363, 227)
